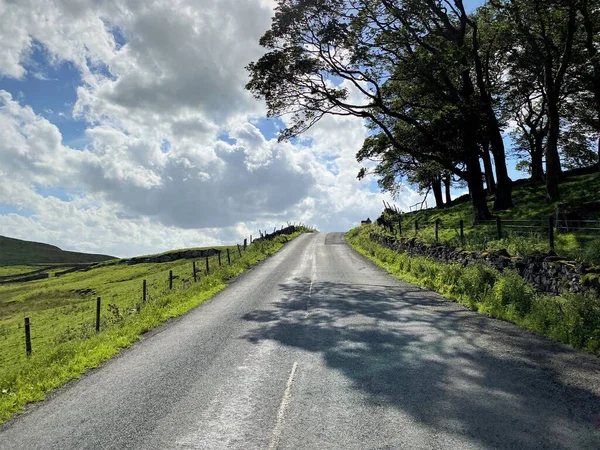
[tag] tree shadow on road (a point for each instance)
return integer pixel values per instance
(447, 367)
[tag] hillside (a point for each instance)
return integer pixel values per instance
(524, 226)
(15, 251)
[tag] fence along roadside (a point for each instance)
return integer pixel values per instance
(501, 228)
(97, 322)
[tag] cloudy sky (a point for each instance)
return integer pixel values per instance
(125, 129)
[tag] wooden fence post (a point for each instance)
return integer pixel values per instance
(251, 239)
(245, 243)
(207, 267)
(194, 271)
(462, 231)
(228, 257)
(170, 279)
(239, 250)
(416, 226)
(98, 302)
(437, 230)
(498, 228)
(551, 232)
(219, 255)
(400, 227)
(27, 337)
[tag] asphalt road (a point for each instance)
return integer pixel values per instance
(317, 348)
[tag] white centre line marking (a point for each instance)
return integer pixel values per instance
(313, 269)
(313, 275)
(285, 401)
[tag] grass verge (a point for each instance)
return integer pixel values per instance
(61, 356)
(573, 319)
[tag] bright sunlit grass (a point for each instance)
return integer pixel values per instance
(530, 204)
(570, 318)
(62, 316)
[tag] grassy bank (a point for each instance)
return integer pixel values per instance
(62, 315)
(573, 319)
(526, 224)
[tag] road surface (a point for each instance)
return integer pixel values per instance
(317, 348)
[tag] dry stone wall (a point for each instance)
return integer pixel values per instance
(547, 273)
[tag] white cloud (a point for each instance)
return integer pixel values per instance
(153, 173)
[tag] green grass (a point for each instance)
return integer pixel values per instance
(8, 271)
(17, 252)
(62, 316)
(530, 204)
(571, 318)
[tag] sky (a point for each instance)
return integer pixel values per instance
(125, 129)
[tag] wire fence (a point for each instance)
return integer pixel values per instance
(55, 317)
(563, 237)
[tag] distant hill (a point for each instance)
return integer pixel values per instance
(15, 251)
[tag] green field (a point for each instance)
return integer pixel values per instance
(9, 271)
(519, 238)
(62, 315)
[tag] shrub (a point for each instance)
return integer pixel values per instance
(591, 252)
(476, 282)
(512, 290)
(448, 276)
(582, 320)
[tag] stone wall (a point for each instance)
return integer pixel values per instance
(193, 254)
(171, 256)
(546, 272)
(284, 231)
(23, 279)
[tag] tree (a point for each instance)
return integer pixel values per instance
(387, 62)
(395, 169)
(492, 40)
(447, 180)
(588, 70)
(487, 167)
(547, 30)
(529, 115)
(576, 147)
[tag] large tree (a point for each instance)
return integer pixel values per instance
(545, 31)
(526, 106)
(587, 103)
(387, 62)
(396, 168)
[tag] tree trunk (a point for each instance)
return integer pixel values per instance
(553, 90)
(553, 169)
(476, 190)
(503, 181)
(537, 167)
(489, 171)
(436, 187)
(537, 159)
(448, 184)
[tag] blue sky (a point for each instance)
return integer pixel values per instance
(125, 128)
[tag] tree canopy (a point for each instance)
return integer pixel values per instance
(438, 86)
